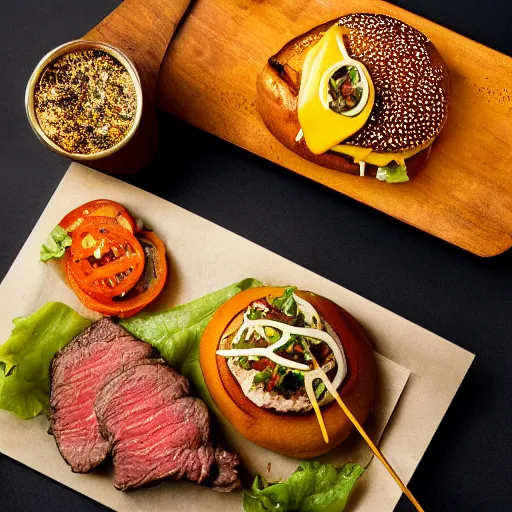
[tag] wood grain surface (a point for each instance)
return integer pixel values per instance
(464, 196)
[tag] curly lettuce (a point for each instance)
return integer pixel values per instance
(314, 487)
(176, 332)
(392, 173)
(26, 356)
(55, 246)
(286, 303)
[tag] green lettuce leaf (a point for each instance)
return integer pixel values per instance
(176, 332)
(286, 303)
(392, 173)
(26, 356)
(55, 246)
(314, 487)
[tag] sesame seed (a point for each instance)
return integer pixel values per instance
(407, 83)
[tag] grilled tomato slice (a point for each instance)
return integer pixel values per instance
(99, 208)
(106, 260)
(148, 286)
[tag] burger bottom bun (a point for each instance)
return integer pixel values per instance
(292, 434)
(278, 109)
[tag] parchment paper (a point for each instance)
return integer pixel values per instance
(205, 257)
(391, 381)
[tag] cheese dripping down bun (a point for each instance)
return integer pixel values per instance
(410, 82)
(293, 433)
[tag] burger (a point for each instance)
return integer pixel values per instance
(268, 357)
(365, 94)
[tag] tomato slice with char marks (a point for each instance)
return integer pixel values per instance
(99, 208)
(146, 289)
(106, 260)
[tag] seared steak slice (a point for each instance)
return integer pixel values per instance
(154, 429)
(79, 372)
(227, 474)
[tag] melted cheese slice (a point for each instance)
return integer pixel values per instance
(323, 129)
(379, 159)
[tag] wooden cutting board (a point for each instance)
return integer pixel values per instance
(464, 196)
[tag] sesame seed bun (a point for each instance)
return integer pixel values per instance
(412, 91)
(293, 434)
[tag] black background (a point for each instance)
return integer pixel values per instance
(459, 296)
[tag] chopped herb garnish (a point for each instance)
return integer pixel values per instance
(255, 314)
(286, 303)
(319, 389)
(281, 370)
(290, 383)
(244, 363)
(345, 89)
(263, 376)
(272, 334)
(353, 75)
(244, 344)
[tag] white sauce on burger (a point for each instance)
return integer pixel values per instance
(315, 332)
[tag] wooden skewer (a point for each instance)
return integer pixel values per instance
(321, 375)
(311, 394)
(372, 446)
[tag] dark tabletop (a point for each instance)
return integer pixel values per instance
(455, 294)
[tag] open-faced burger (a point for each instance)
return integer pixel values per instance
(266, 356)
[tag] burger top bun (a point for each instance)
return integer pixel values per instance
(412, 90)
(292, 434)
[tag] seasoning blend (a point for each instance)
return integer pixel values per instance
(84, 100)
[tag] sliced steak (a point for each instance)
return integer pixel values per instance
(155, 430)
(227, 475)
(79, 372)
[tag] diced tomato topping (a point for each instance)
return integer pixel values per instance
(262, 363)
(272, 382)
